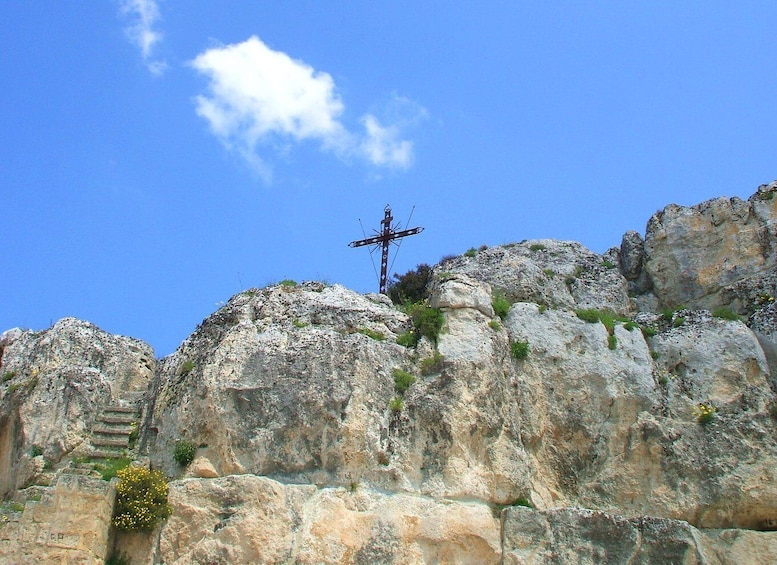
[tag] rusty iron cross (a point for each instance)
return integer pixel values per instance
(383, 238)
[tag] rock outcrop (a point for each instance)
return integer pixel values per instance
(589, 423)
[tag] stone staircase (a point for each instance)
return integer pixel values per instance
(114, 426)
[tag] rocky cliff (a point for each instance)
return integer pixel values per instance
(621, 411)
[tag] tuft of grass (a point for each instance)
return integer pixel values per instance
(8, 375)
(109, 468)
(433, 364)
(501, 305)
(288, 282)
(522, 502)
(612, 341)
(678, 321)
(606, 317)
(402, 380)
(550, 273)
(396, 404)
(647, 331)
(186, 368)
(471, 252)
(726, 314)
(536, 247)
(427, 321)
(372, 334)
(408, 339)
(542, 308)
(299, 324)
(607, 264)
(495, 325)
(519, 349)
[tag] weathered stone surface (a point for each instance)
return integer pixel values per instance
(54, 383)
(693, 252)
(560, 274)
(68, 524)
(249, 519)
(573, 535)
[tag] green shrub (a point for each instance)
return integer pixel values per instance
(542, 308)
(300, 324)
(433, 364)
(288, 282)
(408, 339)
(141, 499)
(522, 502)
(612, 341)
(396, 404)
(186, 367)
(501, 305)
(588, 315)
(36, 450)
(519, 349)
(647, 331)
(678, 321)
(8, 375)
(427, 321)
(184, 452)
(726, 314)
(471, 252)
(550, 273)
(536, 247)
(402, 380)
(410, 287)
(704, 412)
(607, 264)
(630, 326)
(495, 325)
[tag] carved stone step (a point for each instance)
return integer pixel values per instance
(115, 429)
(107, 453)
(110, 441)
(117, 417)
(122, 409)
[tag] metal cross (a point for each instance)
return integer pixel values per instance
(383, 238)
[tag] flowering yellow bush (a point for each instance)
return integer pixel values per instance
(141, 499)
(704, 412)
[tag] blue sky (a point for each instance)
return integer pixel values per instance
(159, 157)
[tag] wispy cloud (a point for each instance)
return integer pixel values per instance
(144, 15)
(259, 97)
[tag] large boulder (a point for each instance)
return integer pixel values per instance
(692, 253)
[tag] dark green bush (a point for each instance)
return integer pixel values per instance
(612, 341)
(471, 252)
(184, 452)
(519, 349)
(427, 321)
(408, 339)
(410, 287)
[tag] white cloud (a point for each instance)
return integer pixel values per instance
(145, 14)
(259, 96)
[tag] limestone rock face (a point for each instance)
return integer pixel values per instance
(250, 519)
(574, 535)
(559, 274)
(694, 252)
(640, 438)
(55, 382)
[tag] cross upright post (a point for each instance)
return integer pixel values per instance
(383, 238)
